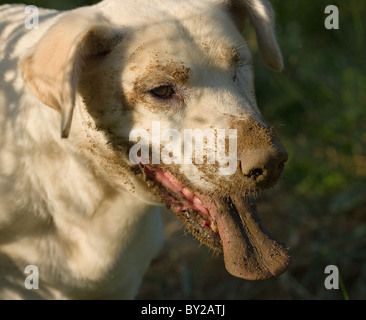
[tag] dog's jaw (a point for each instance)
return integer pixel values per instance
(228, 225)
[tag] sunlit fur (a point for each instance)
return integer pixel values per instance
(71, 205)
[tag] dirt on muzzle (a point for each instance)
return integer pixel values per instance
(250, 251)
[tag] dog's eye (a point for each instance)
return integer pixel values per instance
(164, 92)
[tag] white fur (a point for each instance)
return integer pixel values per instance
(66, 205)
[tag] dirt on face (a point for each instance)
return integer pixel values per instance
(250, 136)
(157, 73)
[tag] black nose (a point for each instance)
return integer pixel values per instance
(264, 166)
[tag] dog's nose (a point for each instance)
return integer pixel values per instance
(264, 166)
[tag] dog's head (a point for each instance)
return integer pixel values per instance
(145, 85)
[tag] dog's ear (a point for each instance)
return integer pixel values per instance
(53, 68)
(261, 15)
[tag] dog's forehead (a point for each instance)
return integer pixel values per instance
(203, 37)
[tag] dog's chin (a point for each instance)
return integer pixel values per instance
(227, 224)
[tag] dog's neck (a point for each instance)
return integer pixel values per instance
(64, 196)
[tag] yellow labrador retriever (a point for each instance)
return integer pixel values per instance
(77, 207)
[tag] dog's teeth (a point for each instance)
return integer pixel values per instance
(197, 201)
(188, 193)
(214, 226)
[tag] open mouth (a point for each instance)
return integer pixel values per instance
(228, 225)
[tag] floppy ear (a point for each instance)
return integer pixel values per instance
(261, 16)
(53, 68)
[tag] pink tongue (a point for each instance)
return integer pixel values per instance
(169, 182)
(250, 252)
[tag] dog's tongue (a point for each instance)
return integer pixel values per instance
(250, 252)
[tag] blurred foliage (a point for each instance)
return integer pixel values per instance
(318, 106)
(319, 100)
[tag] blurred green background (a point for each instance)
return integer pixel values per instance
(319, 208)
